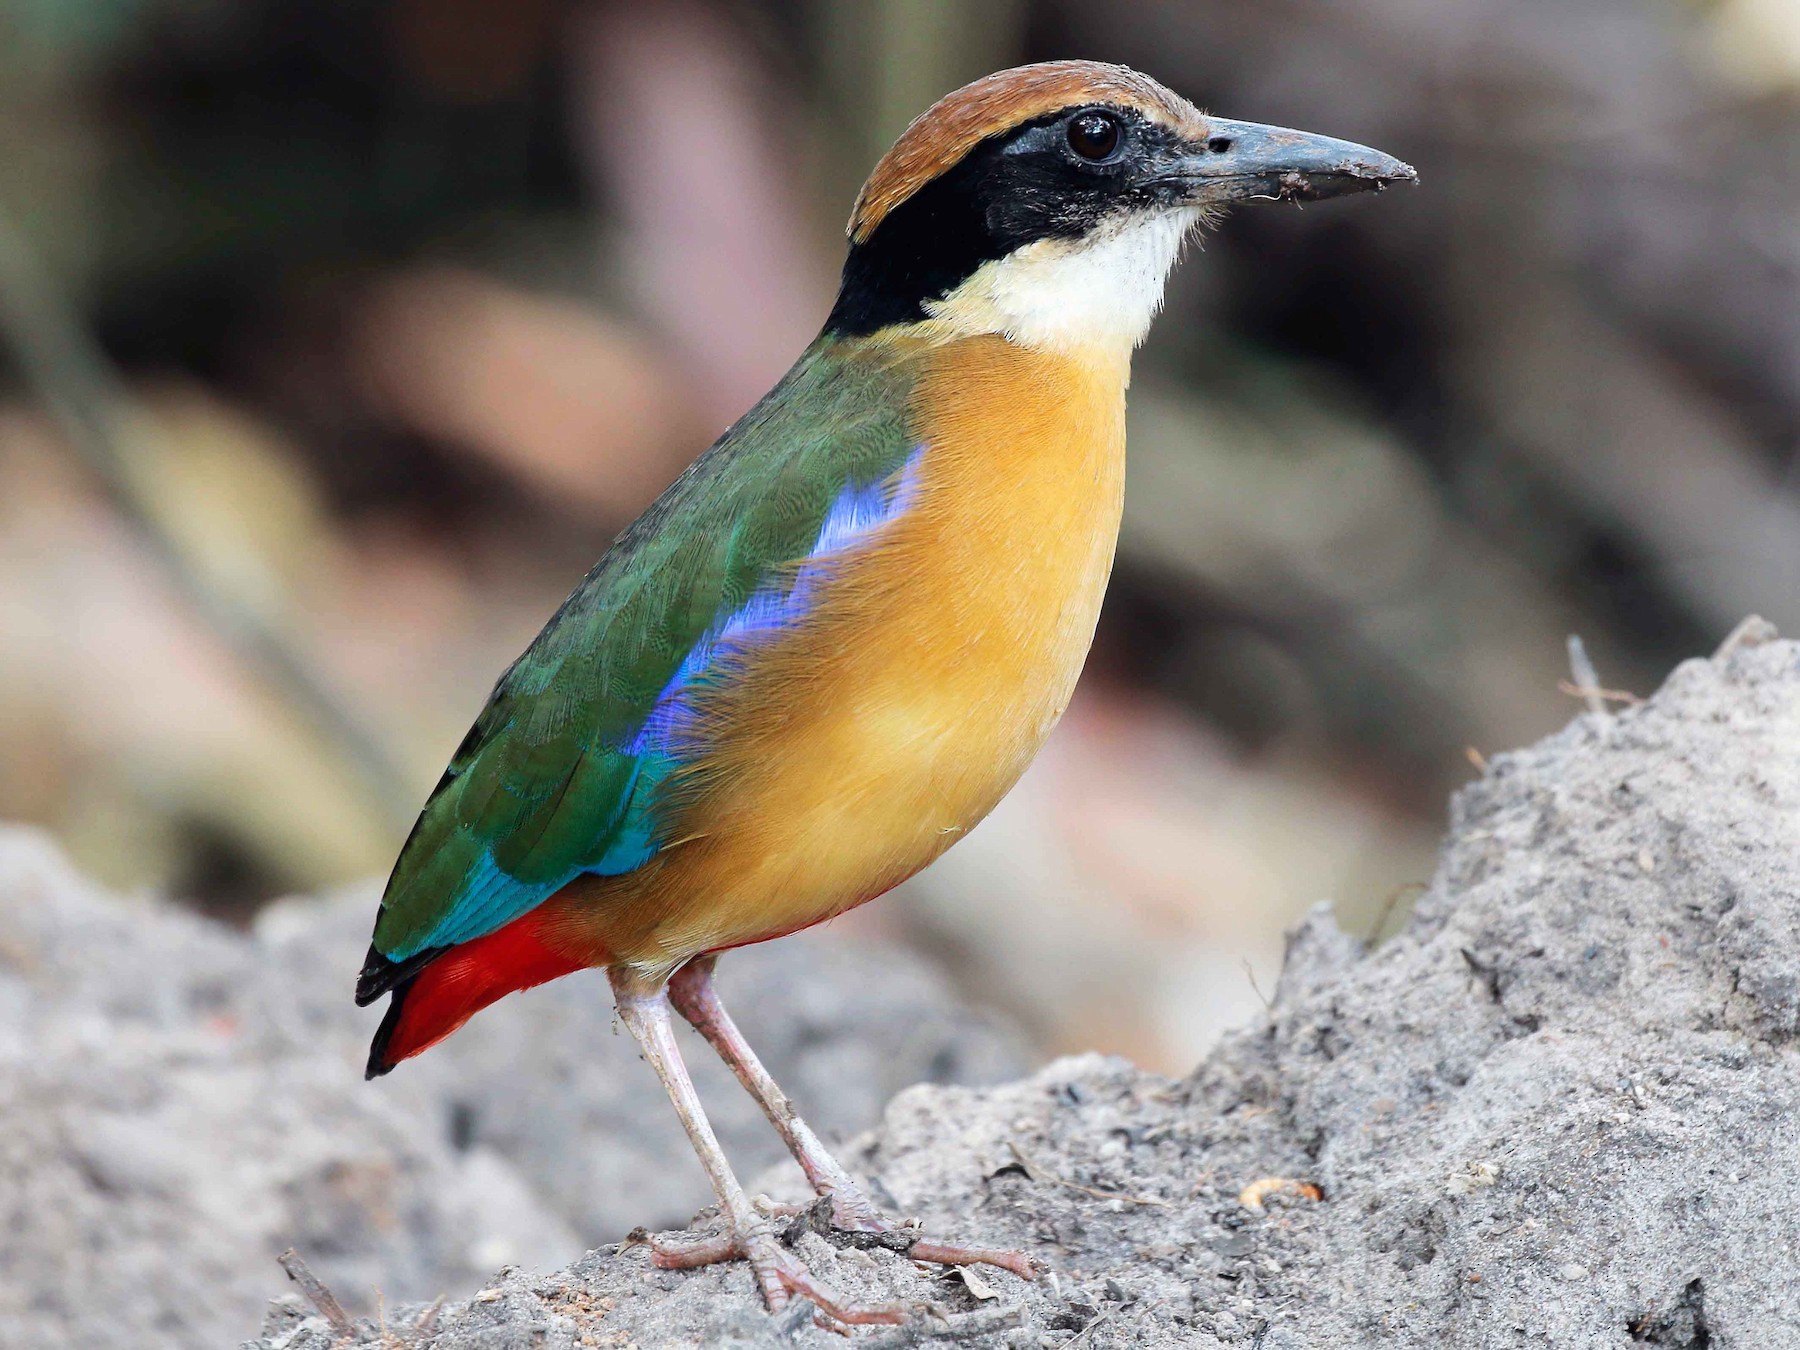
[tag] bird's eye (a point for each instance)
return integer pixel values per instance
(1094, 135)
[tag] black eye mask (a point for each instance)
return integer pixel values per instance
(1031, 183)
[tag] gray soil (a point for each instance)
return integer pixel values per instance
(178, 1103)
(1558, 1110)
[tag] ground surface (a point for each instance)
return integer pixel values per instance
(1559, 1110)
(179, 1102)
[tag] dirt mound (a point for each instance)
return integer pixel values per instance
(1558, 1110)
(179, 1102)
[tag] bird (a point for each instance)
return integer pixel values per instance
(831, 647)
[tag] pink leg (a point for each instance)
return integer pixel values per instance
(694, 997)
(748, 1235)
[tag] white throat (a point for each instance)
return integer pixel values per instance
(1102, 290)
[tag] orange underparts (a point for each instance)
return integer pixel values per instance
(462, 982)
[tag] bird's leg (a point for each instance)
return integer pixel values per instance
(695, 998)
(748, 1235)
(692, 992)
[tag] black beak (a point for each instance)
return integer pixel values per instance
(1246, 161)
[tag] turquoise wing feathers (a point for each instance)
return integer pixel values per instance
(561, 773)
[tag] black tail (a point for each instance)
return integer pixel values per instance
(379, 1063)
(379, 975)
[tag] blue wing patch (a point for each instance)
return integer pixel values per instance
(491, 898)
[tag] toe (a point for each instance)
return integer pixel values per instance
(803, 1284)
(940, 1254)
(701, 1252)
(784, 1275)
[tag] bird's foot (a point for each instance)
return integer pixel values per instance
(844, 1215)
(780, 1274)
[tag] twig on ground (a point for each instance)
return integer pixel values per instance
(1037, 1171)
(1750, 632)
(1081, 1336)
(1255, 988)
(1387, 908)
(1090, 1328)
(427, 1322)
(1597, 697)
(967, 1326)
(1585, 676)
(1586, 683)
(316, 1293)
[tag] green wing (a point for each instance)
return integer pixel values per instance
(560, 773)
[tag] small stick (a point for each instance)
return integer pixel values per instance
(1752, 632)
(316, 1293)
(1255, 988)
(1036, 1170)
(1594, 694)
(1110, 1313)
(960, 1327)
(427, 1322)
(1387, 908)
(1586, 683)
(1091, 1327)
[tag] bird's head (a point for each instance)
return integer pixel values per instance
(1048, 204)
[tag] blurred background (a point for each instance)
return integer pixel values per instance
(338, 337)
